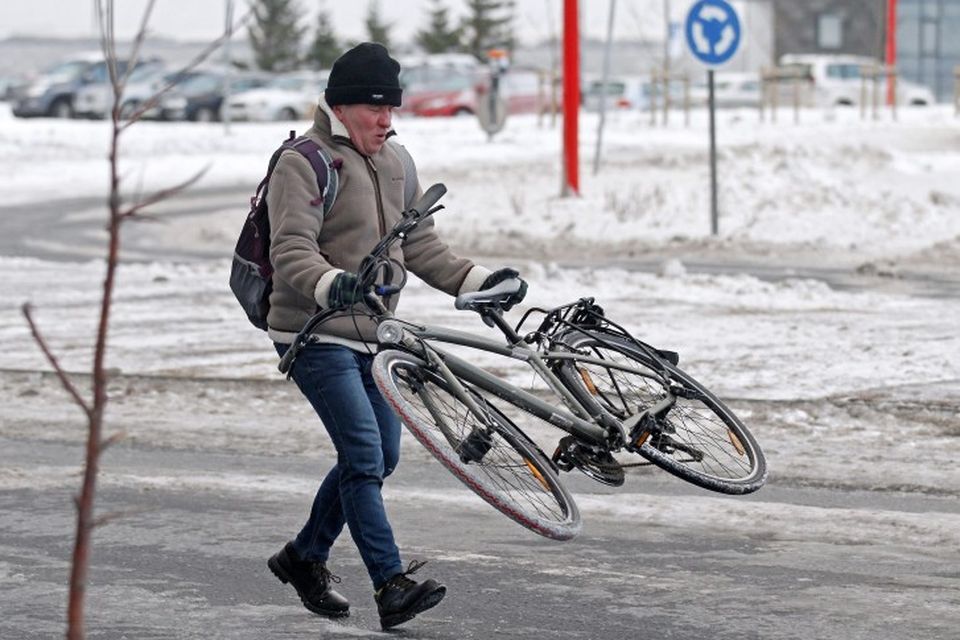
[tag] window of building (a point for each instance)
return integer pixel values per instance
(929, 39)
(829, 31)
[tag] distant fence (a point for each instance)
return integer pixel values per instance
(661, 83)
(956, 90)
(548, 96)
(784, 85)
(871, 76)
(791, 86)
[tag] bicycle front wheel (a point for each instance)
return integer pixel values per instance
(699, 439)
(510, 472)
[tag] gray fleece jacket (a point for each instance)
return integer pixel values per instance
(308, 249)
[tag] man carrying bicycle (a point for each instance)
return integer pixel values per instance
(316, 257)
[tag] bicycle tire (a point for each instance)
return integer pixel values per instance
(702, 442)
(514, 476)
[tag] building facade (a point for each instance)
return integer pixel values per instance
(928, 43)
(830, 26)
(928, 34)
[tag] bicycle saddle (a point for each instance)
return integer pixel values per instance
(494, 296)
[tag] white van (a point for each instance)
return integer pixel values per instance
(837, 80)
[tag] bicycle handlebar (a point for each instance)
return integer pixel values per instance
(427, 200)
(370, 267)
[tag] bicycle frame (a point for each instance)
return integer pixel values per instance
(578, 421)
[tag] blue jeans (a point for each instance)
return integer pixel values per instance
(366, 433)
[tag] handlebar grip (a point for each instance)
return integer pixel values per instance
(430, 198)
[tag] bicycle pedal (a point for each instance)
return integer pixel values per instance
(561, 460)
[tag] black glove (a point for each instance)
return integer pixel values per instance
(499, 276)
(344, 291)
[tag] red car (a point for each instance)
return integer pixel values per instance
(453, 94)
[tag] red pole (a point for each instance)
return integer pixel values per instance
(571, 98)
(891, 47)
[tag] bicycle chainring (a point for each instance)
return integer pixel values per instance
(595, 464)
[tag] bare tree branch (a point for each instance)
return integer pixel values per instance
(27, 309)
(112, 440)
(102, 27)
(163, 194)
(154, 100)
(105, 21)
(107, 518)
(137, 44)
(96, 408)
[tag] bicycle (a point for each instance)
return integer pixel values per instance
(618, 395)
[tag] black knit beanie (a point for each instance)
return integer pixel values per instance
(365, 74)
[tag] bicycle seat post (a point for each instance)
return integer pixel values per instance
(496, 317)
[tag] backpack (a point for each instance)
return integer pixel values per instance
(251, 274)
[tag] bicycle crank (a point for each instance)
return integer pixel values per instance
(593, 462)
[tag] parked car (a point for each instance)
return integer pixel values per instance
(621, 93)
(52, 93)
(200, 98)
(11, 87)
(524, 90)
(292, 96)
(95, 100)
(628, 92)
(451, 93)
(454, 92)
(837, 79)
(730, 90)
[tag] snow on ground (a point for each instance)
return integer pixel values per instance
(833, 186)
(830, 190)
(746, 337)
(809, 366)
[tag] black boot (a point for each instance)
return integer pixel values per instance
(312, 582)
(401, 598)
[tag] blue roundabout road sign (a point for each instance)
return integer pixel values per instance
(713, 31)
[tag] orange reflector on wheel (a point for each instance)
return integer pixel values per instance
(735, 441)
(536, 474)
(587, 380)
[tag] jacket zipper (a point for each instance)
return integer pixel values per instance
(372, 170)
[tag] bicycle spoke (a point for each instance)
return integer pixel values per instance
(695, 437)
(508, 472)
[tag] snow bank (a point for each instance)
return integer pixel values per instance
(742, 336)
(833, 182)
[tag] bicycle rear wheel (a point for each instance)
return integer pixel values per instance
(512, 475)
(699, 439)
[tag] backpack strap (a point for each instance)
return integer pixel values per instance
(410, 179)
(324, 166)
(328, 177)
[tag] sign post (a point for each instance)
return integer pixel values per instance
(491, 107)
(891, 51)
(713, 36)
(571, 98)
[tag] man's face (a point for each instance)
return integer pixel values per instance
(367, 124)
